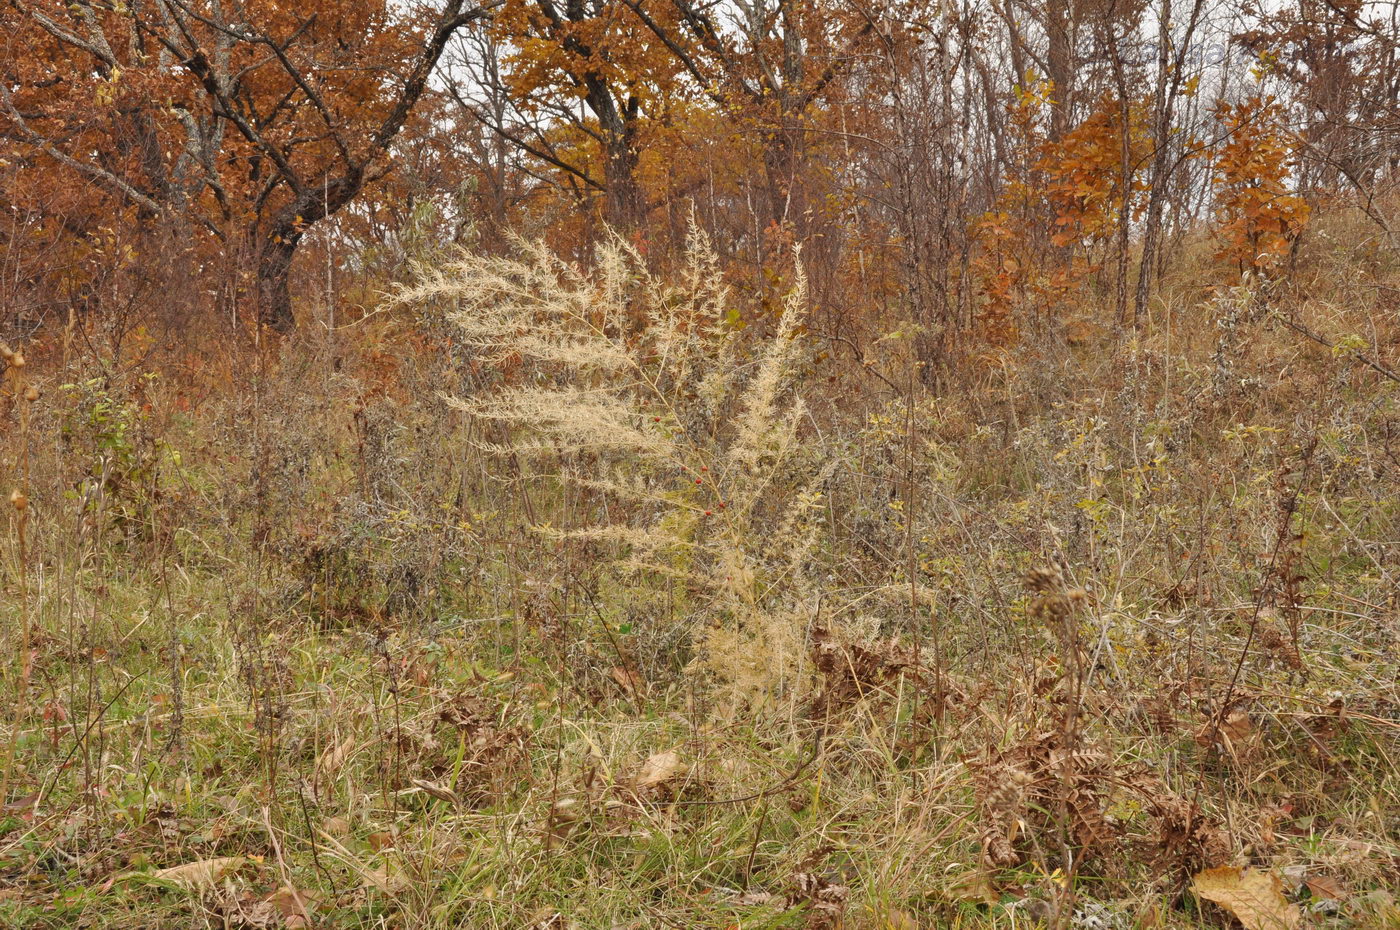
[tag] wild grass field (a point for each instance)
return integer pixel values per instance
(541, 599)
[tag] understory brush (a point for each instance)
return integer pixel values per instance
(566, 595)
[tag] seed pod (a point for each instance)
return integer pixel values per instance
(18, 499)
(31, 394)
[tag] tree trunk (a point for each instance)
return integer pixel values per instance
(274, 291)
(1060, 61)
(623, 203)
(283, 235)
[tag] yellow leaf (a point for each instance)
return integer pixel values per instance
(1253, 896)
(203, 873)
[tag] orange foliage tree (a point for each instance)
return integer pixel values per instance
(247, 125)
(1009, 237)
(1084, 183)
(1061, 208)
(774, 70)
(590, 79)
(1259, 217)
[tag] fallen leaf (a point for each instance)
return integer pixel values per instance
(336, 826)
(563, 815)
(250, 912)
(1325, 886)
(974, 887)
(659, 768)
(626, 678)
(1354, 850)
(202, 873)
(334, 757)
(896, 919)
(1149, 916)
(294, 906)
(1378, 907)
(437, 791)
(1255, 897)
(547, 918)
(1237, 726)
(22, 804)
(382, 879)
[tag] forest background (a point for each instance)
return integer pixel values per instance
(763, 463)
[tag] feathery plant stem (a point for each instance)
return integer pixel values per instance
(637, 393)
